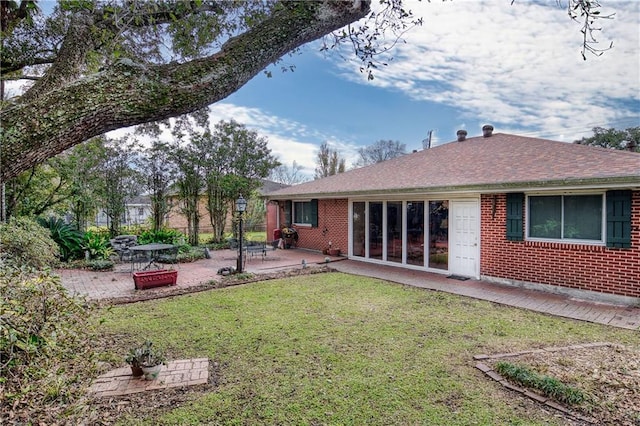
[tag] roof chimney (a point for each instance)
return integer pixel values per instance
(487, 130)
(462, 135)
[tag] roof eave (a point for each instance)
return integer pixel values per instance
(629, 182)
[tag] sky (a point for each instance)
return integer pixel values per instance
(515, 66)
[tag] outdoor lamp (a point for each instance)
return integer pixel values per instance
(241, 204)
(241, 207)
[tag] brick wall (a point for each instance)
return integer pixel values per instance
(178, 221)
(579, 266)
(333, 217)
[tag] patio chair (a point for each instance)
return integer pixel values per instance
(141, 259)
(169, 256)
(255, 248)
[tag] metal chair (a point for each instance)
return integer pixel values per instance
(139, 258)
(169, 256)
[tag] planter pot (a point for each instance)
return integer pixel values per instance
(136, 371)
(334, 252)
(151, 373)
(151, 279)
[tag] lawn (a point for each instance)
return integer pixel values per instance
(337, 349)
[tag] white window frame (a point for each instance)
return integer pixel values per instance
(603, 228)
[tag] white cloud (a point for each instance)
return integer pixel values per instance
(518, 65)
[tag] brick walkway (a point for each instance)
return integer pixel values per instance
(185, 372)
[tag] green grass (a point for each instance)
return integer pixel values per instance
(344, 350)
(549, 386)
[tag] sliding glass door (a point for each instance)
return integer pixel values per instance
(439, 234)
(415, 233)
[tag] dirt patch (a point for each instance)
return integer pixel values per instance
(609, 374)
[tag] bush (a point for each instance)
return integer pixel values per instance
(24, 242)
(97, 245)
(100, 265)
(68, 238)
(163, 236)
(190, 254)
(44, 347)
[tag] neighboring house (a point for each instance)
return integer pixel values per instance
(506, 208)
(178, 221)
(137, 212)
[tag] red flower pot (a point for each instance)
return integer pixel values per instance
(158, 278)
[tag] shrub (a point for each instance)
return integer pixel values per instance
(66, 236)
(100, 264)
(97, 245)
(44, 346)
(163, 236)
(187, 253)
(24, 242)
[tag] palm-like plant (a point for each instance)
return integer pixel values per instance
(66, 236)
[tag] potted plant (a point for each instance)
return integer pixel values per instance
(133, 359)
(148, 359)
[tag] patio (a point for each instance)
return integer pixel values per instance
(119, 283)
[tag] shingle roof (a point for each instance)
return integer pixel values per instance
(499, 162)
(270, 186)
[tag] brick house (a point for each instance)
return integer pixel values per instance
(517, 210)
(176, 220)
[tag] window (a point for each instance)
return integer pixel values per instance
(566, 217)
(305, 212)
(302, 212)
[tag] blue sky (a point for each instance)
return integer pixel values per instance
(472, 62)
(517, 67)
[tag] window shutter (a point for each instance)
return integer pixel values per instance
(314, 213)
(619, 219)
(287, 213)
(515, 206)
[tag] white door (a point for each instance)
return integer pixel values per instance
(464, 224)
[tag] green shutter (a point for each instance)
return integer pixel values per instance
(619, 219)
(288, 220)
(314, 213)
(515, 206)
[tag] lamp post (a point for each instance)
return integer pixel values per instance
(241, 207)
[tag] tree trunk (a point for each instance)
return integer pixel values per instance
(127, 94)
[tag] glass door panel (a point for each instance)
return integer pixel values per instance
(415, 233)
(439, 234)
(359, 228)
(394, 231)
(375, 230)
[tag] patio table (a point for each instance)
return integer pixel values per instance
(153, 250)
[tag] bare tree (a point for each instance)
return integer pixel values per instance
(380, 151)
(329, 162)
(288, 175)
